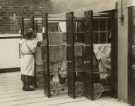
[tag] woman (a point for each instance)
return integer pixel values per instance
(28, 46)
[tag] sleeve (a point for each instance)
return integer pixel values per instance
(35, 41)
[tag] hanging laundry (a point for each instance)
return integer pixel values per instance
(102, 52)
(39, 60)
(62, 26)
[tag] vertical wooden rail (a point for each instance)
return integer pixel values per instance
(22, 33)
(88, 56)
(48, 56)
(99, 34)
(33, 24)
(22, 26)
(34, 32)
(44, 57)
(114, 53)
(46, 52)
(70, 54)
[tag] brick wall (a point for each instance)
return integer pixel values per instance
(23, 7)
(11, 10)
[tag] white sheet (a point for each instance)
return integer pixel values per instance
(102, 52)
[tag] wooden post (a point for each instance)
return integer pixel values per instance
(88, 56)
(46, 63)
(114, 52)
(48, 56)
(123, 50)
(34, 32)
(70, 54)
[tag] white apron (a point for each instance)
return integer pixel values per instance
(27, 48)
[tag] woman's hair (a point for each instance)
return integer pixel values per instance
(28, 35)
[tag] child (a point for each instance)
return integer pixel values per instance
(28, 46)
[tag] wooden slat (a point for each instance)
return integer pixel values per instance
(70, 54)
(88, 56)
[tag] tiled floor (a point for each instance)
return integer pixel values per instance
(12, 95)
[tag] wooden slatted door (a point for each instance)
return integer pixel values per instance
(79, 54)
(92, 54)
(104, 77)
(54, 51)
(42, 70)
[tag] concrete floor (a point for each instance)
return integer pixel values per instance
(12, 95)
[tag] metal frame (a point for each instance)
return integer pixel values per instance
(113, 41)
(88, 54)
(47, 74)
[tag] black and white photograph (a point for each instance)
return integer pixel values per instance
(67, 52)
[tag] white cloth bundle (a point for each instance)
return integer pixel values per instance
(102, 52)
